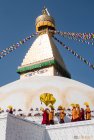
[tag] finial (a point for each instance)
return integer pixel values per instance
(44, 7)
(45, 11)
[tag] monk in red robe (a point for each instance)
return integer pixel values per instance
(45, 115)
(82, 117)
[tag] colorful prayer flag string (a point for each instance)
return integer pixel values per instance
(84, 36)
(15, 46)
(75, 54)
(79, 40)
(80, 37)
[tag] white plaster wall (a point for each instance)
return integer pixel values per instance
(25, 93)
(3, 120)
(19, 129)
(71, 131)
(41, 49)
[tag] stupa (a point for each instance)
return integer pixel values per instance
(43, 71)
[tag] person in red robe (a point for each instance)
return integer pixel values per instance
(45, 115)
(82, 117)
(10, 109)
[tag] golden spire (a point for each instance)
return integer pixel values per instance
(45, 21)
(45, 11)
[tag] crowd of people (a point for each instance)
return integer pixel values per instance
(48, 114)
(77, 114)
(11, 110)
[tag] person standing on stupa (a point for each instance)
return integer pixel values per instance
(74, 113)
(51, 115)
(82, 114)
(45, 119)
(62, 114)
(10, 109)
(87, 112)
(78, 112)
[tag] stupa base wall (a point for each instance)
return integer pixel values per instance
(3, 124)
(14, 128)
(71, 131)
(20, 129)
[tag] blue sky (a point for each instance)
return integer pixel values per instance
(17, 21)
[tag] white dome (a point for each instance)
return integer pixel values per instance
(25, 93)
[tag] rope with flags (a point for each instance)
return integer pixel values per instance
(10, 49)
(81, 37)
(87, 38)
(75, 54)
(15, 46)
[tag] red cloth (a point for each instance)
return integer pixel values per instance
(45, 118)
(11, 111)
(82, 117)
